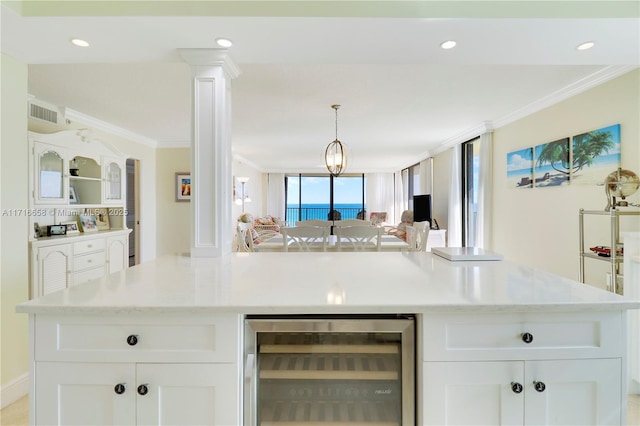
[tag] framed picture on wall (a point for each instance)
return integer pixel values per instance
(183, 186)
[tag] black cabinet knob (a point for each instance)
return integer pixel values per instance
(539, 386)
(527, 337)
(132, 339)
(120, 388)
(143, 389)
(516, 387)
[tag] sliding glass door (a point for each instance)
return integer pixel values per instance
(324, 197)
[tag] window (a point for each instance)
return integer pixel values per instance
(470, 168)
(315, 196)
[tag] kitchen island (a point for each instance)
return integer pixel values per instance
(163, 342)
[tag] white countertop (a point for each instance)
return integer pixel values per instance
(323, 283)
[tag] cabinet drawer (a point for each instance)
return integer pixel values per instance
(505, 336)
(87, 261)
(158, 338)
(88, 246)
(88, 275)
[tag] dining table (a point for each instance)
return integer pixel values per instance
(276, 243)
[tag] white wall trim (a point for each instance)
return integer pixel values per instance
(95, 123)
(14, 390)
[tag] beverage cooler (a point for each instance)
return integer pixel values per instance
(330, 371)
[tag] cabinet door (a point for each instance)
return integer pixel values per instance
(188, 394)
(473, 393)
(50, 174)
(117, 254)
(85, 394)
(54, 269)
(113, 178)
(575, 392)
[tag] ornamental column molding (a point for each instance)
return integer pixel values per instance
(211, 199)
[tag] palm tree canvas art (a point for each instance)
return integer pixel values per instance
(520, 168)
(595, 154)
(553, 167)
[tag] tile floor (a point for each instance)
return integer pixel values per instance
(17, 414)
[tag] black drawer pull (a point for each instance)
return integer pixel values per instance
(132, 339)
(527, 337)
(120, 388)
(516, 387)
(539, 386)
(143, 389)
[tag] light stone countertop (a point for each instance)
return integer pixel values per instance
(327, 283)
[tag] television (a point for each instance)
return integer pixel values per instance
(422, 208)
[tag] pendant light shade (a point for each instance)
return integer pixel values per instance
(335, 156)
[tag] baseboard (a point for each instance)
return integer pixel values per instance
(14, 390)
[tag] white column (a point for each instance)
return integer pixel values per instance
(211, 198)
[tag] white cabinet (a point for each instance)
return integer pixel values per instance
(117, 253)
(68, 168)
(130, 394)
(61, 262)
(51, 268)
(72, 174)
(563, 392)
(436, 238)
(113, 177)
(523, 369)
(51, 179)
(149, 370)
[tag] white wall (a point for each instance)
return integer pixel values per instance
(539, 226)
(14, 276)
(255, 187)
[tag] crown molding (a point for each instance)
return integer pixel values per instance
(97, 124)
(589, 82)
(597, 78)
(211, 56)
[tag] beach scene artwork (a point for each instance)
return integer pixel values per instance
(552, 166)
(520, 168)
(595, 154)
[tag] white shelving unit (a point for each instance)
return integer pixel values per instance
(615, 259)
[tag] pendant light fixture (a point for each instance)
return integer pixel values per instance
(335, 156)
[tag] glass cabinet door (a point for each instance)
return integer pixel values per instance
(113, 178)
(50, 175)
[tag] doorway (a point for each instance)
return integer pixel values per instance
(133, 210)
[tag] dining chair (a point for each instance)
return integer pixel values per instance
(350, 222)
(358, 238)
(244, 236)
(314, 222)
(422, 234)
(305, 238)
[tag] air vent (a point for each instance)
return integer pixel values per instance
(46, 113)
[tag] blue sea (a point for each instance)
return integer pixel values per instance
(321, 211)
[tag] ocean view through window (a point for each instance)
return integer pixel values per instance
(324, 197)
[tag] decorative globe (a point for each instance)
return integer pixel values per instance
(622, 183)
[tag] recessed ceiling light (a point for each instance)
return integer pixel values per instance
(79, 42)
(224, 42)
(586, 45)
(449, 44)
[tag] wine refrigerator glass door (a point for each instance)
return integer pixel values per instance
(330, 371)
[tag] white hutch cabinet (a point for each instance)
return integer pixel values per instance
(72, 174)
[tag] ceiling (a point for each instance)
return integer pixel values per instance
(402, 97)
